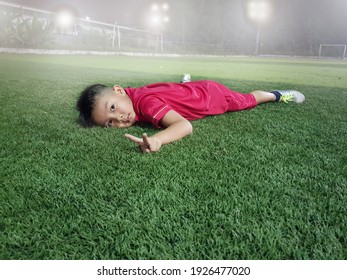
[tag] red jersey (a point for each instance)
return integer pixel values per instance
(193, 100)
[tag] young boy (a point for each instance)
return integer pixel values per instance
(167, 105)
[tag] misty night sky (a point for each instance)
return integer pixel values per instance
(107, 11)
(308, 22)
(111, 10)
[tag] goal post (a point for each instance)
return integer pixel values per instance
(332, 51)
(122, 37)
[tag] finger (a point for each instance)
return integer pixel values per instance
(133, 138)
(144, 149)
(145, 139)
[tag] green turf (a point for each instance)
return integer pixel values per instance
(269, 183)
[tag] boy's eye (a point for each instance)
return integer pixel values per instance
(109, 123)
(113, 108)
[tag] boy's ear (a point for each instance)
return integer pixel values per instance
(118, 89)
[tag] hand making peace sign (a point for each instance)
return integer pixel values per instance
(146, 144)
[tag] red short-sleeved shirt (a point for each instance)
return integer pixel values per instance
(193, 100)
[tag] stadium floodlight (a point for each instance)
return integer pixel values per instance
(158, 16)
(156, 19)
(259, 12)
(65, 19)
(155, 7)
(165, 6)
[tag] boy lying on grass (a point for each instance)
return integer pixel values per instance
(167, 105)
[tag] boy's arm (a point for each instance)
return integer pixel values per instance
(177, 127)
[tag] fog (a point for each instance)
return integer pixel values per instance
(293, 27)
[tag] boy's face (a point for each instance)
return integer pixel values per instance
(113, 108)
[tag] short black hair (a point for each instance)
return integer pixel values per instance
(85, 103)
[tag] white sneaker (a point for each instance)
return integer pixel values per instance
(291, 96)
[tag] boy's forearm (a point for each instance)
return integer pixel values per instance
(177, 127)
(174, 132)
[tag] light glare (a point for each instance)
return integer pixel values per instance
(65, 19)
(258, 10)
(165, 6)
(155, 19)
(155, 7)
(158, 15)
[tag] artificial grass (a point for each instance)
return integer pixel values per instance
(269, 183)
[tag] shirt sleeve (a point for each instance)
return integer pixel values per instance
(153, 109)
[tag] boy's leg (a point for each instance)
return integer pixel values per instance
(263, 96)
(278, 96)
(238, 101)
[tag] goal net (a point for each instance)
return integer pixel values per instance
(335, 51)
(115, 37)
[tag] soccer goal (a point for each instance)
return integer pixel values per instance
(335, 51)
(121, 37)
